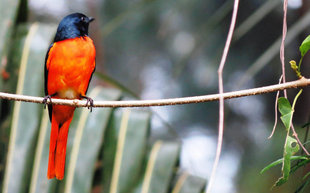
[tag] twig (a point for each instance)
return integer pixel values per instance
(275, 112)
(284, 30)
(298, 140)
(292, 126)
(221, 99)
(163, 102)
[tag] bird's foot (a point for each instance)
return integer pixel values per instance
(47, 97)
(89, 102)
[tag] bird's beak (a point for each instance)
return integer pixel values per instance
(90, 19)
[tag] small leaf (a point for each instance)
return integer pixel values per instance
(306, 125)
(286, 119)
(290, 148)
(286, 111)
(306, 176)
(293, 65)
(299, 164)
(284, 106)
(279, 161)
(305, 46)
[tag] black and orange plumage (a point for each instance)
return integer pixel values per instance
(69, 65)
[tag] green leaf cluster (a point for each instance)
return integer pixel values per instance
(303, 48)
(291, 146)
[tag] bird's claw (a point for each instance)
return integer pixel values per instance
(47, 97)
(89, 103)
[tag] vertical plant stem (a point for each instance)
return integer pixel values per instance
(221, 101)
(292, 126)
(282, 54)
(275, 111)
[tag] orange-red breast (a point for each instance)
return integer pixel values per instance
(69, 65)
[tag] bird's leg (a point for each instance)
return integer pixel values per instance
(90, 101)
(47, 97)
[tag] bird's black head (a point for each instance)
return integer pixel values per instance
(72, 26)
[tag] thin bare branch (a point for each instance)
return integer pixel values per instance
(282, 54)
(163, 102)
(221, 99)
(298, 140)
(292, 125)
(275, 112)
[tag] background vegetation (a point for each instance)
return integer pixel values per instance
(156, 49)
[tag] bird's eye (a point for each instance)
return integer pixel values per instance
(83, 19)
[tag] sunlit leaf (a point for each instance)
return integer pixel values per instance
(305, 46)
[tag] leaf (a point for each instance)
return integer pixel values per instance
(306, 176)
(305, 46)
(299, 164)
(9, 11)
(87, 142)
(39, 182)
(124, 150)
(159, 170)
(286, 111)
(306, 125)
(284, 106)
(280, 161)
(188, 183)
(290, 148)
(14, 57)
(287, 119)
(26, 116)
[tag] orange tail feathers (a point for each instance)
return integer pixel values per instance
(53, 140)
(58, 146)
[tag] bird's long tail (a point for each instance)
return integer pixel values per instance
(58, 146)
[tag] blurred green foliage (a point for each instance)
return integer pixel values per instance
(108, 149)
(158, 49)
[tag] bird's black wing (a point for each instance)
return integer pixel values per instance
(50, 107)
(91, 77)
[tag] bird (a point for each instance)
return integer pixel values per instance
(69, 66)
